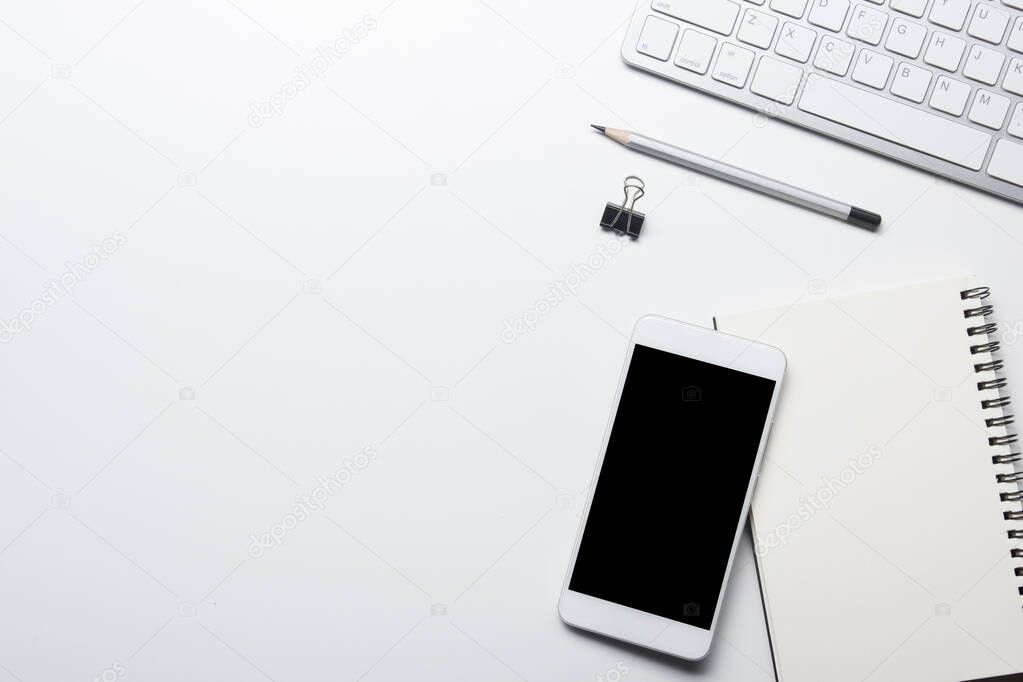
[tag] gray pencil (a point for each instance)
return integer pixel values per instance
(868, 220)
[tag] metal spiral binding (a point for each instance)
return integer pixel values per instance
(992, 366)
(980, 311)
(1013, 480)
(989, 328)
(993, 383)
(995, 402)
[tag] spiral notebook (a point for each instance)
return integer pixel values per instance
(887, 522)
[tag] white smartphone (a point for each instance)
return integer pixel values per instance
(672, 487)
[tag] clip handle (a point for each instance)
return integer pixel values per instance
(634, 183)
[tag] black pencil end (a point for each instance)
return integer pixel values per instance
(598, 128)
(868, 220)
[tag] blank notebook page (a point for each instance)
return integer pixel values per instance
(881, 545)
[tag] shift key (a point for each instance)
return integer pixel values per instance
(713, 15)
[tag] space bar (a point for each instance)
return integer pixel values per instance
(895, 122)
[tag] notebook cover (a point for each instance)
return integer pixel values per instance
(880, 542)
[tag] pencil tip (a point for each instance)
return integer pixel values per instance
(596, 127)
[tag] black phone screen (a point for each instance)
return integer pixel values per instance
(672, 485)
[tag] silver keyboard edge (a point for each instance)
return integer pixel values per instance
(792, 114)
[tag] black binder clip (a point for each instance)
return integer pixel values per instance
(625, 219)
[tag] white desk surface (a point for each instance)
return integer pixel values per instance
(128, 501)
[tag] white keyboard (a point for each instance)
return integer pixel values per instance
(934, 83)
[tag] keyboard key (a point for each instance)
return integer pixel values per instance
(983, 65)
(911, 82)
(891, 120)
(695, 50)
(733, 65)
(1007, 162)
(1018, 4)
(776, 80)
(988, 23)
(944, 51)
(756, 2)
(834, 55)
(1013, 81)
(829, 14)
(950, 13)
(950, 96)
(796, 42)
(867, 25)
(906, 38)
(913, 8)
(757, 28)
(657, 38)
(1015, 41)
(793, 8)
(1016, 124)
(872, 69)
(989, 109)
(713, 15)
